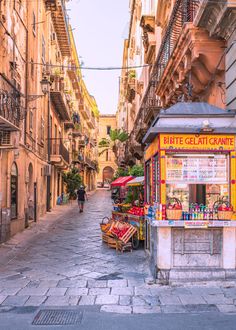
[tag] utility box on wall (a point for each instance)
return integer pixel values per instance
(4, 225)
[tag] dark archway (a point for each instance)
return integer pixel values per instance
(14, 191)
(107, 174)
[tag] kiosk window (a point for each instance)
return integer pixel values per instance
(201, 179)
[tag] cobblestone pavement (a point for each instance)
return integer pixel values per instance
(62, 262)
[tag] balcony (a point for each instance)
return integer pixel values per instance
(91, 122)
(183, 13)
(59, 100)
(77, 157)
(11, 109)
(91, 164)
(60, 156)
(60, 21)
(84, 111)
(149, 42)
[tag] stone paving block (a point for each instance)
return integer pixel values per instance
(128, 291)
(72, 283)
(87, 300)
(184, 291)
(35, 300)
(145, 301)
(77, 292)
(146, 309)
(116, 309)
(205, 290)
(226, 308)
(33, 292)
(93, 275)
(56, 292)
(141, 291)
(169, 300)
(191, 299)
(2, 298)
(61, 301)
(99, 291)
(97, 284)
(201, 308)
(125, 300)
(107, 300)
(173, 309)
(10, 291)
(48, 284)
(117, 283)
(136, 282)
(218, 299)
(15, 301)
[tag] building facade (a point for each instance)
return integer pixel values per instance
(184, 53)
(107, 160)
(41, 119)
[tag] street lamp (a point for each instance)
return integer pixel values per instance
(46, 85)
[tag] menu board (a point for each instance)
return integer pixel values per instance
(197, 170)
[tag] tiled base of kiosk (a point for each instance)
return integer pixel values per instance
(192, 252)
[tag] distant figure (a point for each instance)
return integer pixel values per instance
(81, 194)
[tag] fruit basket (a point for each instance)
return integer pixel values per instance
(174, 209)
(105, 224)
(225, 211)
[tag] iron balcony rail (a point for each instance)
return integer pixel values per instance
(60, 149)
(184, 11)
(11, 108)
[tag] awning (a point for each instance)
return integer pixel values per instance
(121, 181)
(139, 181)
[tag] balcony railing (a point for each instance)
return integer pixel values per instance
(91, 164)
(58, 149)
(61, 24)
(183, 12)
(59, 99)
(11, 109)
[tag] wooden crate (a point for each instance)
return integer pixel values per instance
(120, 246)
(127, 236)
(112, 242)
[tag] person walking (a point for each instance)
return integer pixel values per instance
(81, 195)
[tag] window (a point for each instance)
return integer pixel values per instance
(108, 130)
(42, 130)
(34, 24)
(31, 120)
(14, 191)
(107, 156)
(43, 50)
(32, 68)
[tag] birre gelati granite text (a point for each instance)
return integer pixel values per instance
(191, 141)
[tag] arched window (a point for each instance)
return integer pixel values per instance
(14, 191)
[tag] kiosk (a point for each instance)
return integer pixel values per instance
(191, 157)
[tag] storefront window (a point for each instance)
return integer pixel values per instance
(14, 194)
(156, 179)
(148, 182)
(201, 179)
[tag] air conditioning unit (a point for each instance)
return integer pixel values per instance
(47, 170)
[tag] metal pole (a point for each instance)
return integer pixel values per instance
(49, 155)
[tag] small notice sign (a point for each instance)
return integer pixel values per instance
(196, 224)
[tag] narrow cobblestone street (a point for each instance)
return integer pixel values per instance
(63, 262)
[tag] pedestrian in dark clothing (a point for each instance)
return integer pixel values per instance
(81, 195)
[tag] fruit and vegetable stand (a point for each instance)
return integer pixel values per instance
(117, 234)
(190, 193)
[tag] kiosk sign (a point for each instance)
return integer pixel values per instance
(197, 142)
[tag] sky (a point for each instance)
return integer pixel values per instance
(100, 27)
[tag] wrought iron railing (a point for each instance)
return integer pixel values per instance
(11, 107)
(183, 12)
(58, 148)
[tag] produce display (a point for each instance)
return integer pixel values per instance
(135, 210)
